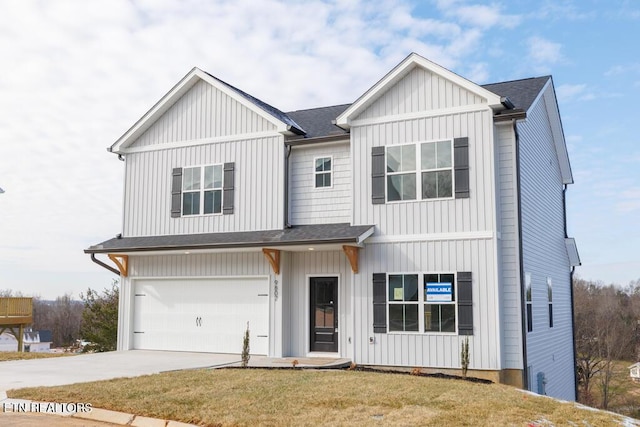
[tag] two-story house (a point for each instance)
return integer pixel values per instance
(387, 231)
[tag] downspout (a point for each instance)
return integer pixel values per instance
(523, 304)
(573, 320)
(102, 264)
(286, 188)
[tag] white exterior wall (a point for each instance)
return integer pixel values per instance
(203, 112)
(420, 90)
(438, 350)
(428, 235)
(301, 267)
(218, 130)
(508, 248)
(310, 205)
(475, 214)
(549, 350)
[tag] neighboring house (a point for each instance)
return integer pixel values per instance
(387, 231)
(634, 372)
(33, 341)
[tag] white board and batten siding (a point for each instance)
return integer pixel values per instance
(298, 269)
(549, 350)
(430, 349)
(310, 205)
(205, 126)
(423, 236)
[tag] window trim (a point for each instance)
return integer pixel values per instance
(528, 297)
(419, 170)
(202, 191)
(422, 302)
(315, 173)
(550, 300)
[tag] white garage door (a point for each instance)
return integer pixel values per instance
(208, 315)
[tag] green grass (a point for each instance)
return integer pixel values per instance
(231, 397)
(15, 355)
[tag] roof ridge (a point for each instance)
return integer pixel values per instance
(548, 76)
(319, 108)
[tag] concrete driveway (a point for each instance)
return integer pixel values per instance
(104, 366)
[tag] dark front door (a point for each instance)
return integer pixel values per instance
(324, 314)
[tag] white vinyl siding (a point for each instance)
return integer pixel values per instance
(477, 213)
(549, 350)
(297, 269)
(435, 350)
(509, 254)
(203, 112)
(420, 90)
(310, 205)
(259, 188)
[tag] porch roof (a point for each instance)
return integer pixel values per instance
(296, 235)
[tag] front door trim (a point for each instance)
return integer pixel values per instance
(338, 313)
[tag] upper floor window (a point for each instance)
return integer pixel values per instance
(424, 170)
(323, 172)
(202, 190)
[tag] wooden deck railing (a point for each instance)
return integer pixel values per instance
(16, 307)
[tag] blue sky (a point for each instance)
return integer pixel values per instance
(76, 75)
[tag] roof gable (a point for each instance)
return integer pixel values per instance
(280, 120)
(403, 69)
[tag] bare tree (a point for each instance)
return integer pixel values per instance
(605, 324)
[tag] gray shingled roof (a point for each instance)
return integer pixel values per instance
(283, 117)
(297, 235)
(317, 122)
(521, 92)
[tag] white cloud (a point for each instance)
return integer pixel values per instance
(544, 52)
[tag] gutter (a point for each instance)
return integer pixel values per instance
(523, 304)
(102, 264)
(296, 142)
(286, 187)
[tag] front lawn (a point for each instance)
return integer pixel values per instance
(314, 397)
(15, 355)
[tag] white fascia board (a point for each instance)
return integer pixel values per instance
(572, 251)
(548, 94)
(400, 71)
(167, 101)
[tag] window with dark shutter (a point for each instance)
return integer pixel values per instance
(465, 303)
(377, 175)
(228, 188)
(461, 166)
(380, 303)
(176, 193)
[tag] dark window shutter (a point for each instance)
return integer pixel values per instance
(378, 196)
(465, 304)
(176, 193)
(228, 188)
(461, 166)
(380, 303)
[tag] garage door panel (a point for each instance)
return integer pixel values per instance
(201, 314)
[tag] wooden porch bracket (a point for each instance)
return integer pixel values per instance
(122, 261)
(273, 256)
(352, 255)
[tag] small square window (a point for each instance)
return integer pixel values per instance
(323, 172)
